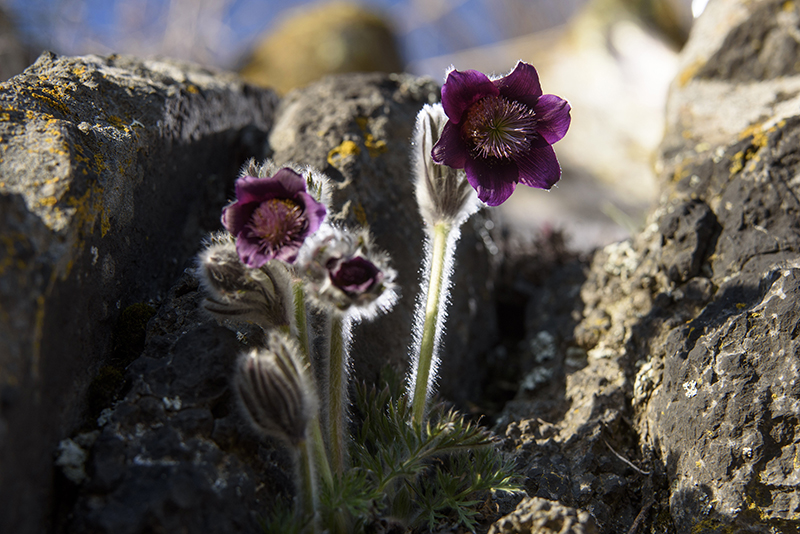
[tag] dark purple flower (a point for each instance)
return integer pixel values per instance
(500, 131)
(355, 276)
(271, 217)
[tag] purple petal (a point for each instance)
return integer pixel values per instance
(450, 149)
(291, 182)
(522, 85)
(493, 183)
(539, 168)
(314, 212)
(288, 253)
(235, 216)
(284, 184)
(552, 114)
(250, 253)
(462, 89)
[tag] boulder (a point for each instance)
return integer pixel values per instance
(311, 42)
(111, 170)
(667, 396)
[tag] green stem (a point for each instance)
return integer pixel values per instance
(427, 346)
(308, 481)
(299, 295)
(320, 453)
(337, 386)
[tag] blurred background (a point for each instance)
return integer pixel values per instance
(612, 59)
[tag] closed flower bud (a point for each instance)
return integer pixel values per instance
(443, 193)
(235, 291)
(275, 390)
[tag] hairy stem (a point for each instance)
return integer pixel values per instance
(299, 295)
(337, 385)
(430, 335)
(308, 485)
(320, 453)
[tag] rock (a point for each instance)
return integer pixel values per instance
(165, 457)
(111, 170)
(690, 378)
(544, 517)
(329, 38)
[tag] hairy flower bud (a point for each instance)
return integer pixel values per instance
(275, 390)
(345, 272)
(443, 193)
(235, 291)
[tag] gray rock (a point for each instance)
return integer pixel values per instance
(544, 517)
(691, 368)
(173, 454)
(111, 169)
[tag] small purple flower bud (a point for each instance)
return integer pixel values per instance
(275, 390)
(272, 217)
(500, 131)
(345, 272)
(355, 276)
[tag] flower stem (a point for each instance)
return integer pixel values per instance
(430, 336)
(320, 453)
(299, 295)
(337, 386)
(308, 482)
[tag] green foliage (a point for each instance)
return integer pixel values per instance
(424, 476)
(420, 477)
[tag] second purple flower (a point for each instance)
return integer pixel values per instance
(500, 131)
(271, 217)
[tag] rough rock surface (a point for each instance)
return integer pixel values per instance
(111, 169)
(669, 401)
(544, 517)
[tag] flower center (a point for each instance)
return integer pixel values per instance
(495, 127)
(277, 222)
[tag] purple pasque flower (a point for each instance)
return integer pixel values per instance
(500, 131)
(271, 217)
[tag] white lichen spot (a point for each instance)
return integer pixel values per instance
(142, 460)
(602, 352)
(690, 388)
(104, 417)
(172, 404)
(622, 260)
(537, 377)
(747, 452)
(220, 484)
(71, 459)
(543, 347)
